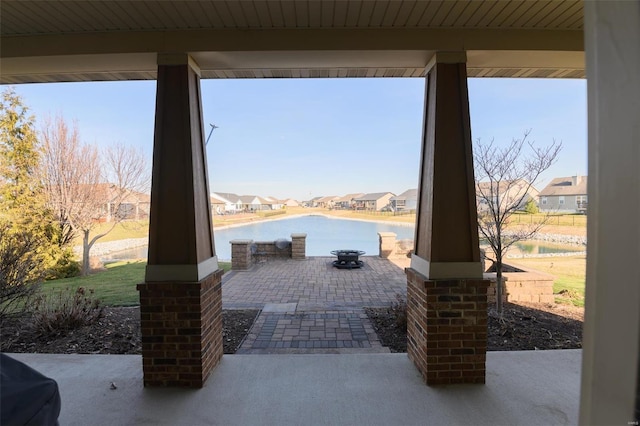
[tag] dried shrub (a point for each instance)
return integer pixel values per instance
(21, 271)
(399, 309)
(65, 310)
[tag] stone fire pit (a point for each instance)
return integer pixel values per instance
(347, 258)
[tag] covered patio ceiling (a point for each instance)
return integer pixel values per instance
(119, 40)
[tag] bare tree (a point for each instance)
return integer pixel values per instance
(71, 171)
(78, 186)
(126, 169)
(504, 177)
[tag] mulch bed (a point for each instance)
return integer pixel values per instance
(117, 332)
(522, 327)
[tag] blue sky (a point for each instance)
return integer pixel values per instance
(310, 137)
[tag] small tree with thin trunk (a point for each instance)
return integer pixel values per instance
(504, 179)
(83, 187)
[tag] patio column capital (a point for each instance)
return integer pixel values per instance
(181, 244)
(456, 57)
(446, 240)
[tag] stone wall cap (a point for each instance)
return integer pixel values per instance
(298, 235)
(240, 241)
(492, 276)
(387, 234)
(530, 275)
(526, 270)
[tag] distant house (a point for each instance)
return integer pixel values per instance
(313, 202)
(290, 202)
(327, 202)
(253, 203)
(565, 194)
(347, 202)
(373, 201)
(231, 202)
(217, 204)
(276, 204)
(507, 193)
(406, 201)
(119, 204)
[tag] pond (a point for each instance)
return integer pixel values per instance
(324, 235)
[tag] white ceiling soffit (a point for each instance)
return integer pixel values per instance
(118, 40)
(67, 17)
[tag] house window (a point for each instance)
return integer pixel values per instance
(544, 200)
(561, 200)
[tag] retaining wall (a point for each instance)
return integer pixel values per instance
(391, 248)
(245, 253)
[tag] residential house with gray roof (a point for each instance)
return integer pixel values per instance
(313, 202)
(565, 195)
(373, 201)
(404, 202)
(347, 202)
(227, 202)
(253, 203)
(290, 202)
(507, 193)
(327, 202)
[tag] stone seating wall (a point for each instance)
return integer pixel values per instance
(245, 253)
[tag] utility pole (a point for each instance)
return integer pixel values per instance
(213, 127)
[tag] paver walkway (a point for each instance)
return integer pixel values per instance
(309, 306)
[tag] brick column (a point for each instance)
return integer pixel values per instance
(298, 246)
(387, 244)
(241, 254)
(447, 325)
(181, 331)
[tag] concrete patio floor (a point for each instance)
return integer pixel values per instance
(523, 388)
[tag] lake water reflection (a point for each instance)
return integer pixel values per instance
(323, 235)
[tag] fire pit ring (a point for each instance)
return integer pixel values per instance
(347, 258)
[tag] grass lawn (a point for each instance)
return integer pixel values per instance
(570, 275)
(114, 287)
(122, 231)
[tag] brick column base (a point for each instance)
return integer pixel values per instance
(447, 328)
(181, 331)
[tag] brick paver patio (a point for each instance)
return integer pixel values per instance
(309, 306)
